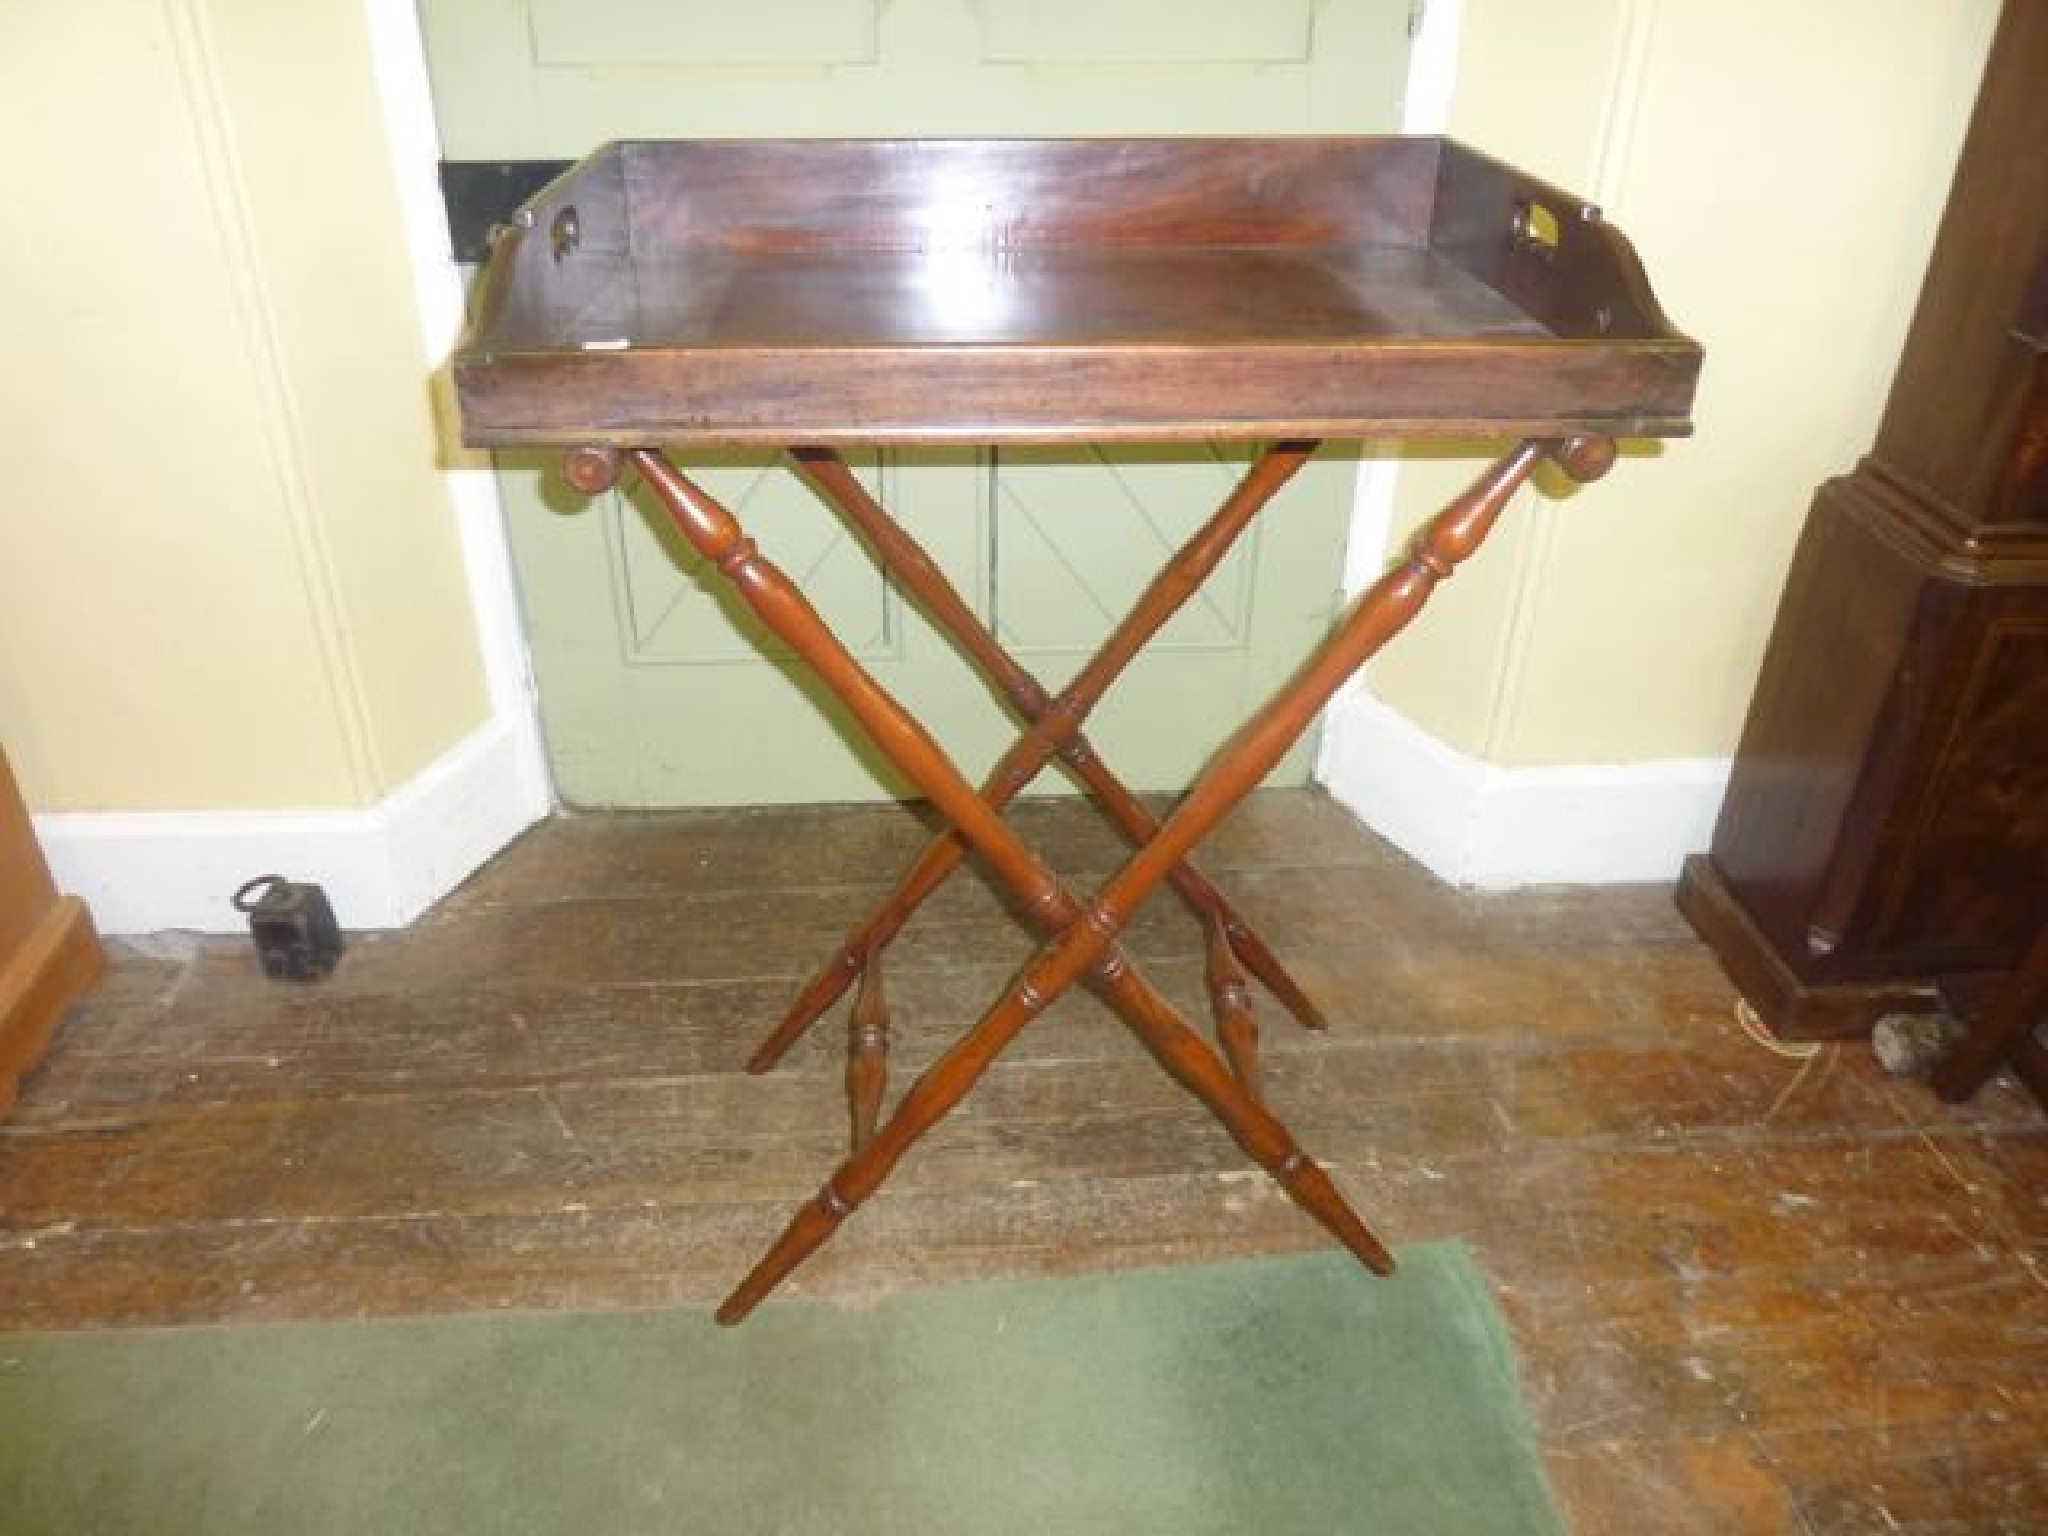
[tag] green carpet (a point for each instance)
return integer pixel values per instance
(1270, 1396)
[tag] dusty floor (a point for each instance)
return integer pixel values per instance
(1752, 1294)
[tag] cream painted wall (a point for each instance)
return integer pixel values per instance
(1781, 168)
(227, 572)
(229, 575)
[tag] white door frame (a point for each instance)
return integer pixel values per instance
(398, 59)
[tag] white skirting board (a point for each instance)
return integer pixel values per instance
(1469, 822)
(146, 871)
(1473, 823)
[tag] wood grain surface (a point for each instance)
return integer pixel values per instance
(1055, 290)
(1751, 1294)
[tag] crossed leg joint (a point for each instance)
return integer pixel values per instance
(1052, 727)
(1083, 937)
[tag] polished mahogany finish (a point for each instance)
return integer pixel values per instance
(1084, 938)
(821, 294)
(1886, 824)
(1043, 290)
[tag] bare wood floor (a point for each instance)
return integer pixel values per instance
(1752, 1295)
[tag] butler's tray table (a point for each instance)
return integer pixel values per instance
(819, 295)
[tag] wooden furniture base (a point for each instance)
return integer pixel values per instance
(1081, 934)
(2004, 1033)
(1793, 1007)
(1886, 823)
(1054, 728)
(49, 953)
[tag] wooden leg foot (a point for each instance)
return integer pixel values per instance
(1315, 1192)
(2004, 1035)
(1251, 950)
(1255, 1128)
(824, 990)
(815, 1221)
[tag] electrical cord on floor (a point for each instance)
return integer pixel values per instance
(1752, 1025)
(1807, 1053)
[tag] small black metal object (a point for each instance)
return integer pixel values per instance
(297, 938)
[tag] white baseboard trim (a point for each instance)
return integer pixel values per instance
(1473, 823)
(145, 871)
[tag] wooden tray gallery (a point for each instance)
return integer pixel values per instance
(1014, 290)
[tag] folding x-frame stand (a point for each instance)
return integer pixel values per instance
(1080, 934)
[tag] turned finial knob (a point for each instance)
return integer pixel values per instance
(1584, 458)
(592, 468)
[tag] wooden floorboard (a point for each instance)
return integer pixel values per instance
(1752, 1294)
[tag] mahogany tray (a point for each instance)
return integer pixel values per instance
(902, 291)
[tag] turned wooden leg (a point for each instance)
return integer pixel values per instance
(711, 529)
(1188, 1058)
(1237, 1028)
(1088, 941)
(867, 1053)
(1056, 723)
(1053, 724)
(949, 1078)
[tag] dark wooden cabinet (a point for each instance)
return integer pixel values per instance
(1886, 825)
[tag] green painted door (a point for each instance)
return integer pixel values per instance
(655, 689)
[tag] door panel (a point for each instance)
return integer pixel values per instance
(658, 687)
(701, 34)
(1059, 584)
(1078, 533)
(675, 610)
(1146, 31)
(536, 80)
(655, 686)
